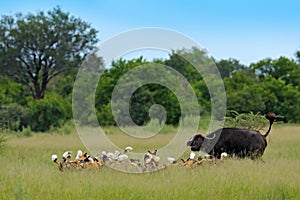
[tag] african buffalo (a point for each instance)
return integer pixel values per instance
(234, 141)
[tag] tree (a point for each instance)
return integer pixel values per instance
(185, 60)
(142, 99)
(297, 54)
(282, 67)
(281, 98)
(36, 48)
(105, 89)
(243, 94)
(227, 67)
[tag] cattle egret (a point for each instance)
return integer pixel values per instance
(192, 155)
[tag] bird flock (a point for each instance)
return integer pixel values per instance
(121, 160)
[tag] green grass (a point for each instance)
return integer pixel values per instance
(28, 173)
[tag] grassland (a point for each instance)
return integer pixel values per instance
(26, 172)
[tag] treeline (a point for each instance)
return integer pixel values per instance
(36, 85)
(268, 85)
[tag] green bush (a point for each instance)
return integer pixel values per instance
(27, 132)
(246, 120)
(53, 110)
(12, 116)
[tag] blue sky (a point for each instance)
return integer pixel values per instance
(245, 30)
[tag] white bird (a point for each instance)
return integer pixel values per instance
(127, 149)
(116, 155)
(79, 154)
(223, 155)
(192, 155)
(67, 154)
(91, 160)
(171, 159)
(122, 157)
(54, 157)
(110, 155)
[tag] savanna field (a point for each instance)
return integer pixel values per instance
(27, 172)
(70, 62)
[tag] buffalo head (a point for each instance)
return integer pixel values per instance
(196, 141)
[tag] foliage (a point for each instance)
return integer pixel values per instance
(84, 93)
(53, 110)
(228, 67)
(243, 94)
(83, 98)
(246, 120)
(141, 100)
(281, 98)
(183, 61)
(27, 132)
(36, 48)
(105, 88)
(63, 84)
(11, 92)
(180, 60)
(278, 68)
(105, 117)
(12, 116)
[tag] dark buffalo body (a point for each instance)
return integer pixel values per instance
(235, 141)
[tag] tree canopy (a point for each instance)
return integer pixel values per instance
(34, 48)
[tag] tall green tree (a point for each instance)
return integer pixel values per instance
(244, 94)
(185, 60)
(283, 68)
(35, 48)
(281, 98)
(227, 67)
(105, 89)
